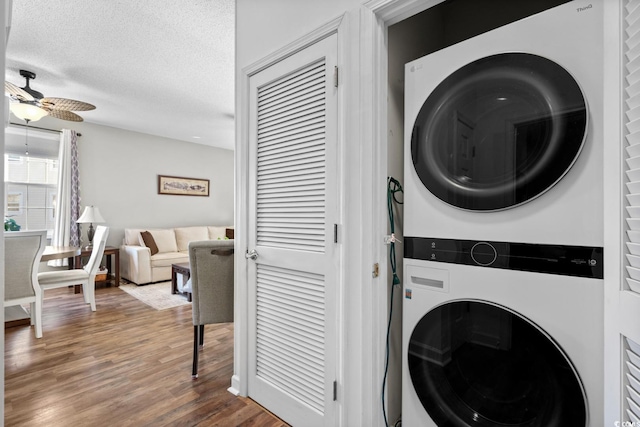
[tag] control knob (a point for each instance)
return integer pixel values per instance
(484, 253)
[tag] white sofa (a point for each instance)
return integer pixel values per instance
(139, 266)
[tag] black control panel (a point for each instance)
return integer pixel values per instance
(581, 261)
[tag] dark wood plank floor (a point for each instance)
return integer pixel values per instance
(126, 364)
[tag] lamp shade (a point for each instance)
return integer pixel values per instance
(26, 111)
(91, 215)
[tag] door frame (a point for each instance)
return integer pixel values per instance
(621, 307)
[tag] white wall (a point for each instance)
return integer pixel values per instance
(262, 27)
(119, 172)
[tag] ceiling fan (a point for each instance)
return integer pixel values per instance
(31, 105)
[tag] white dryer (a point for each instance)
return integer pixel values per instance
(503, 133)
(503, 224)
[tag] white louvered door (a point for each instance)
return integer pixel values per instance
(624, 307)
(293, 209)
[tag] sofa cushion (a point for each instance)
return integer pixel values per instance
(216, 233)
(165, 240)
(184, 235)
(149, 242)
(165, 259)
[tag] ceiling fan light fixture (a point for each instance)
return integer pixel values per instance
(25, 111)
(30, 105)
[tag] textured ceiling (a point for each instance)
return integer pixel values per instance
(161, 67)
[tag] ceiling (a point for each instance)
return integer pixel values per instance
(160, 67)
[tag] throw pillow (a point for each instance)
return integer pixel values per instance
(229, 233)
(149, 242)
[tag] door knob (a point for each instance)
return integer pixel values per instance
(252, 254)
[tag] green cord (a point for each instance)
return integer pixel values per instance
(393, 187)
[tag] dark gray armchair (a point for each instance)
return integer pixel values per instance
(211, 265)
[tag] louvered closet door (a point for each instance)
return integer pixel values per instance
(627, 312)
(293, 282)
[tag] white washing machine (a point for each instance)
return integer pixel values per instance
(503, 224)
(494, 347)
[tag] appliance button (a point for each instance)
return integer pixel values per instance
(483, 253)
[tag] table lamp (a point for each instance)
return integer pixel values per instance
(90, 215)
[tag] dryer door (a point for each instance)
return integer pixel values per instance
(478, 364)
(499, 132)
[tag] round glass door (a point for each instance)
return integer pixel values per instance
(499, 132)
(477, 364)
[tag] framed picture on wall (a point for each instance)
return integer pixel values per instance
(181, 186)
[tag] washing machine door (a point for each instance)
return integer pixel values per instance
(499, 132)
(473, 363)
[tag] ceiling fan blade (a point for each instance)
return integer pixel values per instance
(66, 104)
(16, 92)
(64, 115)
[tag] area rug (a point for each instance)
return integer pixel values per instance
(156, 295)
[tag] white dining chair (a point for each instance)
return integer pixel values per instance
(22, 253)
(85, 276)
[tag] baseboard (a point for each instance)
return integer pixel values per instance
(235, 386)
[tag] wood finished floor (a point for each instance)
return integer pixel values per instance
(126, 364)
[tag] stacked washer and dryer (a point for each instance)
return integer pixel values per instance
(503, 290)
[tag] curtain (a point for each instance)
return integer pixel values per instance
(66, 231)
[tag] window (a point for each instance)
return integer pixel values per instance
(30, 191)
